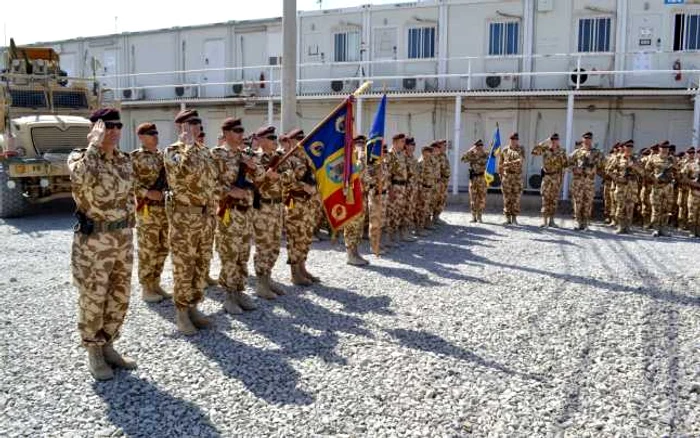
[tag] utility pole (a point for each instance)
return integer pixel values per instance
(289, 65)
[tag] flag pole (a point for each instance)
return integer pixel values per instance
(376, 248)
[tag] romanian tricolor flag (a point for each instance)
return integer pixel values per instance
(375, 139)
(329, 146)
(493, 157)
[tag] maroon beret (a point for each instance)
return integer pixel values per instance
(514, 136)
(145, 128)
(187, 116)
(359, 139)
(479, 142)
(398, 136)
(231, 123)
(105, 114)
(265, 131)
(690, 150)
(295, 134)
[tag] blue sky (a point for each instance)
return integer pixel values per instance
(82, 18)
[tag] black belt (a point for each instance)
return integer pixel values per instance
(88, 227)
(241, 208)
(427, 186)
(551, 173)
(398, 183)
(271, 200)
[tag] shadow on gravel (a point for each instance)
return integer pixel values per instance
(354, 302)
(265, 373)
(139, 408)
(405, 274)
(424, 341)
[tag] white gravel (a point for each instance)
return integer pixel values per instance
(474, 331)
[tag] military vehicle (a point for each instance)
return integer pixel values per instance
(42, 119)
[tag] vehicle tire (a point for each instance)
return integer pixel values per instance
(12, 203)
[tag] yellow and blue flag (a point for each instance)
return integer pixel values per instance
(329, 146)
(375, 139)
(493, 156)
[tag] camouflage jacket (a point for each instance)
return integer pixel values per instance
(268, 187)
(662, 170)
(691, 175)
(477, 159)
(511, 160)
(413, 173)
(302, 175)
(553, 161)
(102, 186)
(191, 175)
(228, 164)
(624, 169)
(586, 163)
(428, 172)
(397, 165)
(147, 167)
(444, 166)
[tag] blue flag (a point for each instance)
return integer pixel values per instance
(375, 139)
(493, 156)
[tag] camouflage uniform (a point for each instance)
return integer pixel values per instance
(691, 175)
(609, 189)
(645, 193)
(586, 163)
(412, 192)
(191, 206)
(683, 192)
(151, 220)
(101, 262)
(397, 164)
(235, 217)
(377, 185)
(440, 199)
(554, 162)
(625, 173)
(352, 231)
(663, 172)
(477, 159)
(510, 168)
(300, 210)
(428, 183)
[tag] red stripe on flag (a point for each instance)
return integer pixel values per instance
(337, 211)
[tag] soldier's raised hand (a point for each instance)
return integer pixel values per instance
(186, 136)
(97, 133)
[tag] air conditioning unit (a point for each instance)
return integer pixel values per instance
(345, 86)
(426, 84)
(237, 89)
(251, 89)
(410, 83)
(186, 91)
(133, 94)
(501, 82)
(586, 80)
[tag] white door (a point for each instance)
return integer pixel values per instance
(644, 53)
(109, 68)
(213, 77)
(385, 48)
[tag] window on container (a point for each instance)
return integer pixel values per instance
(504, 38)
(686, 32)
(594, 34)
(421, 42)
(347, 47)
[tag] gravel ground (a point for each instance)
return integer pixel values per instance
(474, 331)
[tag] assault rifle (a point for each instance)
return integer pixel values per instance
(241, 183)
(161, 184)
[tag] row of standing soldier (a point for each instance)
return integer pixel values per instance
(188, 200)
(653, 184)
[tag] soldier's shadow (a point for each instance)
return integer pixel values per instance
(140, 408)
(274, 379)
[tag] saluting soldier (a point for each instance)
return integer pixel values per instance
(586, 162)
(300, 209)
(662, 170)
(626, 172)
(191, 207)
(102, 185)
(352, 231)
(477, 157)
(237, 171)
(151, 220)
(510, 168)
(554, 162)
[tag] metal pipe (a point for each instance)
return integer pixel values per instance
(696, 121)
(456, 144)
(569, 140)
(289, 65)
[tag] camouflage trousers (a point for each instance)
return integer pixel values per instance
(424, 207)
(661, 203)
(101, 265)
(397, 207)
(694, 209)
(352, 232)
(191, 245)
(377, 219)
(512, 189)
(625, 200)
(550, 190)
(299, 221)
(267, 229)
(440, 199)
(682, 205)
(477, 194)
(233, 244)
(609, 199)
(152, 237)
(645, 201)
(411, 197)
(582, 192)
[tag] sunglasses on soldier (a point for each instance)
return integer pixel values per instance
(271, 137)
(153, 133)
(114, 125)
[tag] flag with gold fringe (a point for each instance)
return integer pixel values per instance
(329, 146)
(493, 157)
